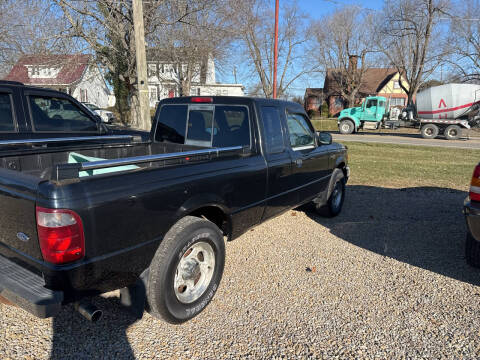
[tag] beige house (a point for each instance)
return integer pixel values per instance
(375, 82)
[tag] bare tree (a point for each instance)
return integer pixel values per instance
(253, 24)
(189, 45)
(345, 49)
(106, 26)
(30, 27)
(406, 33)
(464, 39)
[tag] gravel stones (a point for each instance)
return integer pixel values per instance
(387, 279)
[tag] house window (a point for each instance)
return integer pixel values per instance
(225, 92)
(153, 94)
(83, 95)
(194, 91)
(152, 70)
(338, 101)
(396, 85)
(36, 71)
(397, 102)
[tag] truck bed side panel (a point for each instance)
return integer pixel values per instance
(126, 216)
(18, 231)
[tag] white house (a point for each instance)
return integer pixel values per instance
(164, 75)
(76, 75)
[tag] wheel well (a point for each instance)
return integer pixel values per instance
(216, 216)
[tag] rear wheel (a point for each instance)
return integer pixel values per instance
(472, 251)
(453, 132)
(429, 131)
(186, 270)
(346, 127)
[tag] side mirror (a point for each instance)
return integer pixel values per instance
(324, 138)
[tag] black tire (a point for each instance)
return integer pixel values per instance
(162, 298)
(429, 131)
(346, 127)
(472, 251)
(453, 132)
(336, 195)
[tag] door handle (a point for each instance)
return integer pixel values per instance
(299, 162)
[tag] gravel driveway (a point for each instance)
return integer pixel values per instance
(387, 278)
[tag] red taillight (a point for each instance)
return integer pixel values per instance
(60, 233)
(475, 184)
(202, 99)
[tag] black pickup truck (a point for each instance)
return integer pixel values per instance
(82, 216)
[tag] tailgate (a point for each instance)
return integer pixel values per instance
(18, 230)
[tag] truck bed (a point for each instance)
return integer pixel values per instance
(42, 163)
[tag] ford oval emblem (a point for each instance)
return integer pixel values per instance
(22, 237)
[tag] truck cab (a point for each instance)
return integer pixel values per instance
(367, 116)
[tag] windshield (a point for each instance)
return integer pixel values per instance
(92, 107)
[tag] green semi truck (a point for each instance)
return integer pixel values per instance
(441, 110)
(368, 116)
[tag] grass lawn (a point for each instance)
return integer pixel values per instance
(325, 124)
(410, 166)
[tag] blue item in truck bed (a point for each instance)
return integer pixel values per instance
(74, 158)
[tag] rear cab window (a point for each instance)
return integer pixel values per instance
(204, 125)
(7, 123)
(52, 114)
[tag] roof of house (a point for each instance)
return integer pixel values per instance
(72, 68)
(373, 80)
(313, 92)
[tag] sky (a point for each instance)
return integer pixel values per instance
(315, 9)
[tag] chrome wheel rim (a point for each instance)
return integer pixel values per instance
(194, 272)
(345, 127)
(452, 133)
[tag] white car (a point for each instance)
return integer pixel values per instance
(105, 115)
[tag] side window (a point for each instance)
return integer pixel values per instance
(273, 130)
(199, 127)
(57, 115)
(6, 114)
(171, 124)
(231, 127)
(371, 103)
(301, 136)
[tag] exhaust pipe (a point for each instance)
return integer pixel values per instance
(88, 311)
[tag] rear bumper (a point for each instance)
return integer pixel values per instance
(26, 290)
(472, 216)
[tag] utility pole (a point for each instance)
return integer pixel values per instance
(275, 52)
(144, 120)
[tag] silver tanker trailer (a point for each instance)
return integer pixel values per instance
(445, 109)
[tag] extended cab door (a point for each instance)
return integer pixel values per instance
(311, 171)
(280, 195)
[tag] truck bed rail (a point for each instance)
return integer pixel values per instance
(71, 171)
(65, 139)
